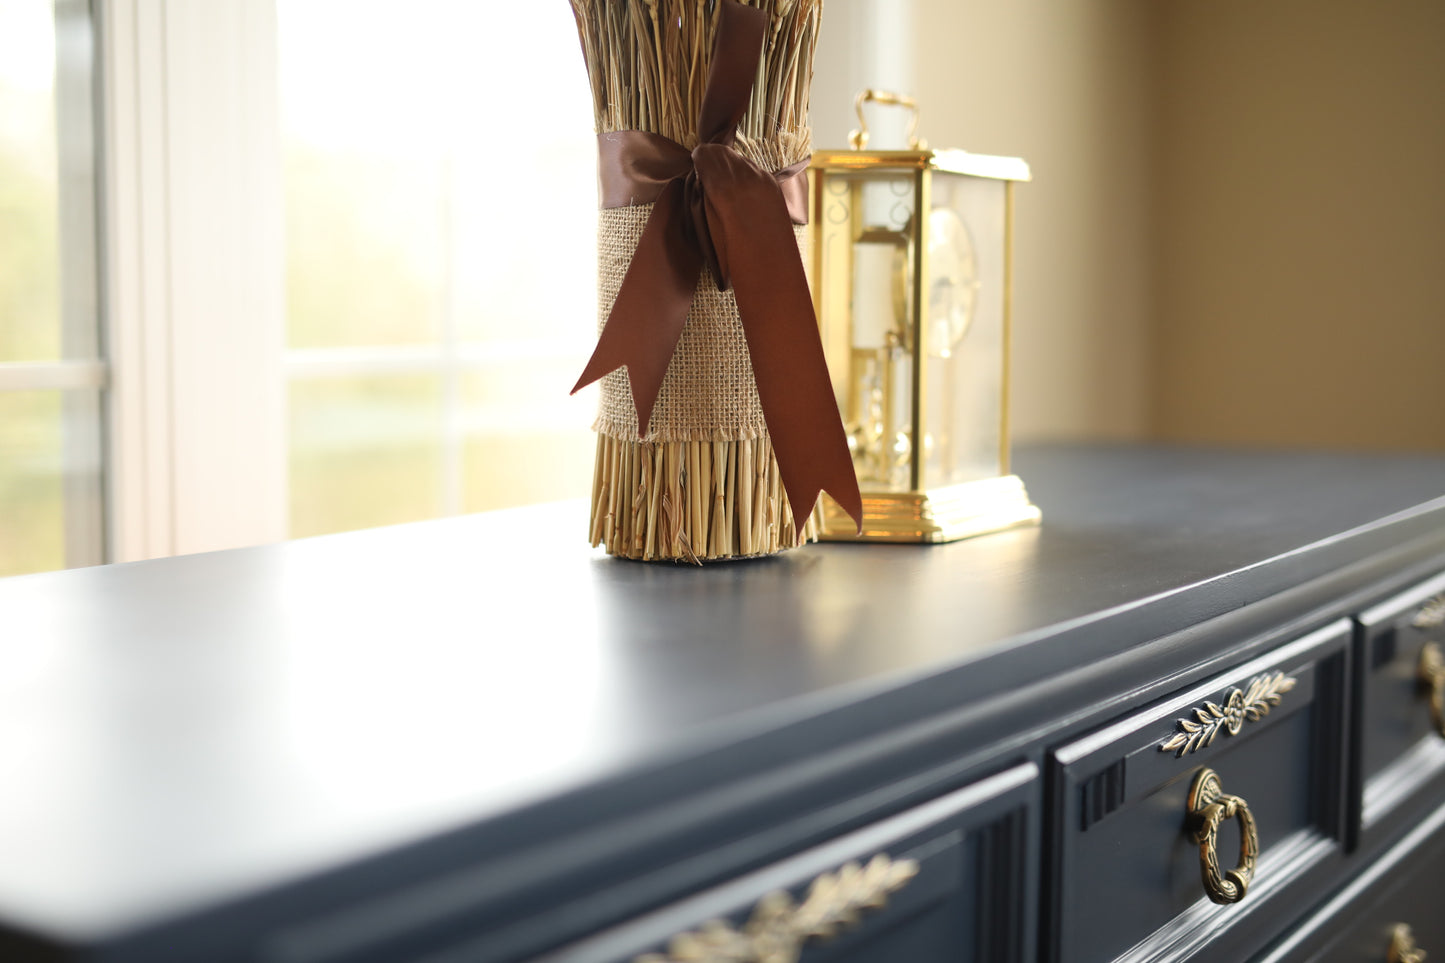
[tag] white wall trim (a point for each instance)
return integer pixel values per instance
(193, 274)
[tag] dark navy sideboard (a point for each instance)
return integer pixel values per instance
(478, 740)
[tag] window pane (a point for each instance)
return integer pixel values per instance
(365, 451)
(29, 185)
(50, 505)
(511, 458)
(453, 190)
(363, 238)
(441, 214)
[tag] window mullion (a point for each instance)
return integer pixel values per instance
(81, 445)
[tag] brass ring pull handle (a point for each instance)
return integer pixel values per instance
(778, 927)
(1402, 946)
(1431, 673)
(1209, 806)
(859, 138)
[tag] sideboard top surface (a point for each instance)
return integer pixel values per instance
(179, 733)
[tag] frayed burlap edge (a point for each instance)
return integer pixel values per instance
(703, 484)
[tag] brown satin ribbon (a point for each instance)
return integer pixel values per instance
(714, 207)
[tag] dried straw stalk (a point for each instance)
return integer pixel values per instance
(648, 61)
(691, 500)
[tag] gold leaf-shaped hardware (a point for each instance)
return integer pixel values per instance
(779, 945)
(1402, 947)
(1431, 674)
(773, 907)
(1431, 614)
(687, 948)
(877, 876)
(1240, 706)
(788, 954)
(778, 927)
(849, 907)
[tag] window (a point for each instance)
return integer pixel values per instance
(440, 269)
(51, 372)
(347, 269)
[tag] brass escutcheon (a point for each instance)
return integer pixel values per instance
(1209, 806)
(1402, 946)
(1431, 673)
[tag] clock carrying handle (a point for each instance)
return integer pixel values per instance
(859, 138)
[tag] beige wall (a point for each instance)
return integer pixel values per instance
(1301, 220)
(1236, 230)
(1065, 85)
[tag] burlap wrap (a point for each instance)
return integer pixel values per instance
(708, 393)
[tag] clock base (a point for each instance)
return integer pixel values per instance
(938, 515)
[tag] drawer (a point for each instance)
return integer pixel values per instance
(1401, 746)
(1129, 877)
(1362, 924)
(949, 880)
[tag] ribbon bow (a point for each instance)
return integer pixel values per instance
(713, 206)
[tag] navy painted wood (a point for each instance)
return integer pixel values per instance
(1406, 884)
(1130, 877)
(966, 844)
(450, 731)
(1400, 755)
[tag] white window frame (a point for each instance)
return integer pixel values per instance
(82, 374)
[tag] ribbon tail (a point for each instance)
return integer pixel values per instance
(651, 307)
(737, 46)
(754, 236)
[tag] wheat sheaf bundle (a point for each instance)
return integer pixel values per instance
(648, 63)
(704, 484)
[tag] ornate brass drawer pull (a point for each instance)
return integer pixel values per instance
(1431, 673)
(778, 927)
(1402, 946)
(1209, 806)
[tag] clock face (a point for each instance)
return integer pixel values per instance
(953, 281)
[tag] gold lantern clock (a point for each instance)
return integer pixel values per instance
(911, 280)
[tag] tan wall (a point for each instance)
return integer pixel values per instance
(1065, 84)
(1301, 221)
(1236, 231)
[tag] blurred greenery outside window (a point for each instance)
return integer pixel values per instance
(439, 258)
(51, 375)
(440, 268)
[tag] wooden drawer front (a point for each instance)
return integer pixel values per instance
(1405, 886)
(1128, 881)
(967, 900)
(1401, 748)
